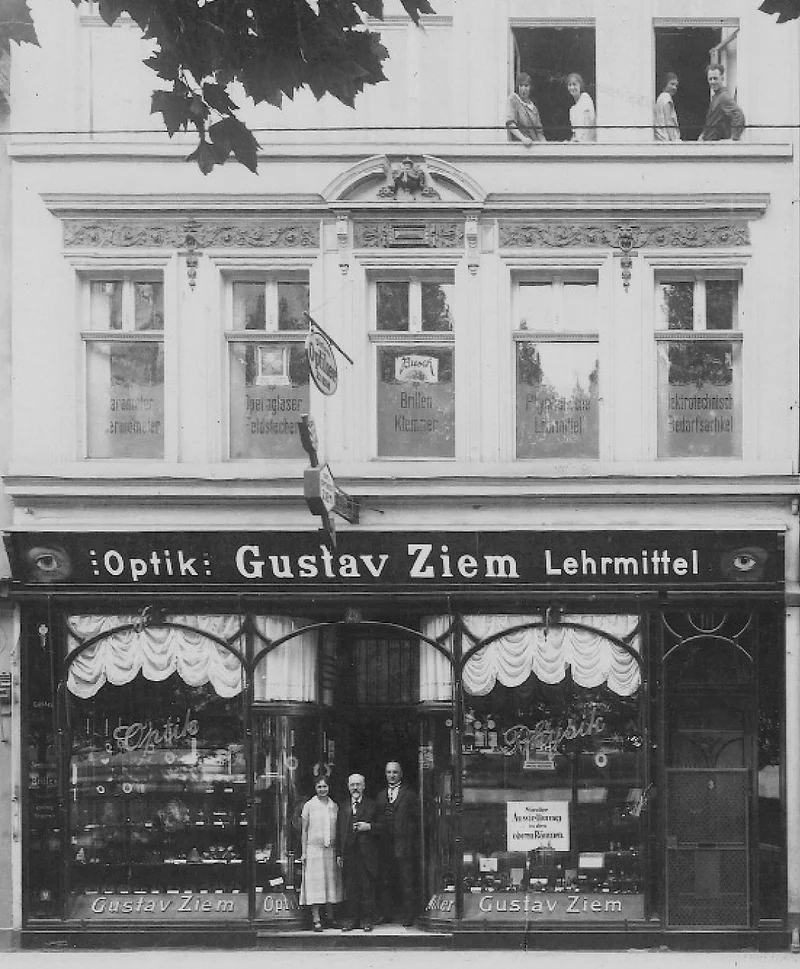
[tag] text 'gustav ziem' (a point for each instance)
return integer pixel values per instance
(415, 561)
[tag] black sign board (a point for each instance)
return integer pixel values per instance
(408, 560)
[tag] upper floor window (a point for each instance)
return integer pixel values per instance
(556, 339)
(269, 379)
(682, 54)
(413, 330)
(551, 56)
(699, 349)
(124, 367)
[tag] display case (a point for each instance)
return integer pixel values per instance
(157, 802)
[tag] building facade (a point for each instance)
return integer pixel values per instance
(564, 596)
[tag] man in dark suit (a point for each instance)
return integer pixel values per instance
(359, 831)
(398, 805)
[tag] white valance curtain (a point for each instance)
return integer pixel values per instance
(288, 672)
(154, 651)
(515, 655)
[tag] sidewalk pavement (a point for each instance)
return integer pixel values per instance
(383, 959)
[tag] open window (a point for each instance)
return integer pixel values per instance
(548, 55)
(687, 51)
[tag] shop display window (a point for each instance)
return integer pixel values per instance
(157, 797)
(269, 376)
(554, 772)
(414, 332)
(699, 349)
(125, 368)
(557, 367)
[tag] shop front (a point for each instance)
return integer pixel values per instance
(592, 724)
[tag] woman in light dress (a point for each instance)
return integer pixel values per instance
(581, 114)
(665, 117)
(322, 880)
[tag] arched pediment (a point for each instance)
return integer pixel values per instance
(397, 178)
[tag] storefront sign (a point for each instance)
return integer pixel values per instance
(145, 737)
(537, 824)
(540, 907)
(181, 906)
(411, 560)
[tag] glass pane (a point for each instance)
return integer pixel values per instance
(721, 300)
(106, 305)
(437, 306)
(292, 305)
(269, 393)
(558, 400)
(391, 306)
(125, 400)
(579, 309)
(699, 399)
(676, 306)
(536, 306)
(148, 299)
(553, 788)
(44, 859)
(249, 306)
(157, 803)
(286, 752)
(416, 402)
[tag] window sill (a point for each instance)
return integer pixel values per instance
(153, 145)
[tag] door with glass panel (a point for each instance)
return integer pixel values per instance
(709, 756)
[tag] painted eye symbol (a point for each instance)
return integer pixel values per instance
(744, 562)
(46, 562)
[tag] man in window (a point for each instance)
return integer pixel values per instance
(724, 119)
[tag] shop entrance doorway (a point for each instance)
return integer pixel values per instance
(709, 780)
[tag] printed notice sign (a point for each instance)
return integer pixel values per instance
(538, 824)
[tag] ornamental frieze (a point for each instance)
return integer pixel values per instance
(397, 234)
(638, 235)
(205, 233)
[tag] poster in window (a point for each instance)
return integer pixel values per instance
(537, 824)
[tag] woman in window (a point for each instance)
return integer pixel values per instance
(581, 114)
(665, 117)
(522, 116)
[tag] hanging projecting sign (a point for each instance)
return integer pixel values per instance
(322, 362)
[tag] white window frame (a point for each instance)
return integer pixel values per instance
(242, 269)
(439, 267)
(697, 268)
(130, 268)
(543, 270)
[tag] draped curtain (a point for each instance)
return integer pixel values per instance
(155, 651)
(511, 658)
(288, 672)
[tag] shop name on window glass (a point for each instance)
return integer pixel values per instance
(557, 370)
(699, 374)
(415, 380)
(125, 369)
(269, 378)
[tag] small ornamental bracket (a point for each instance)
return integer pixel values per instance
(471, 238)
(343, 241)
(627, 239)
(191, 250)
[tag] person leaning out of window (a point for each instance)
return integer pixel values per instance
(522, 116)
(724, 118)
(582, 116)
(665, 117)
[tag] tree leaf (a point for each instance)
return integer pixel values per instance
(175, 108)
(16, 24)
(231, 135)
(208, 155)
(416, 7)
(216, 98)
(786, 9)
